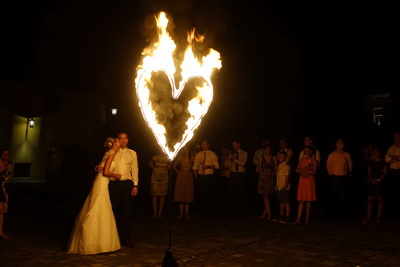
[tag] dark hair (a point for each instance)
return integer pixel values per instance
(266, 146)
(312, 150)
(283, 153)
(123, 132)
(2, 151)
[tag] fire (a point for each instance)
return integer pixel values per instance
(160, 57)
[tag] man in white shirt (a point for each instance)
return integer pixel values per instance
(339, 165)
(392, 156)
(237, 182)
(289, 152)
(392, 183)
(308, 141)
(255, 197)
(204, 166)
(122, 190)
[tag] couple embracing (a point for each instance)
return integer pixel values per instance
(103, 223)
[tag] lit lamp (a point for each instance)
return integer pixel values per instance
(31, 123)
(114, 111)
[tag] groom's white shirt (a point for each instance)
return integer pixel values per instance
(127, 165)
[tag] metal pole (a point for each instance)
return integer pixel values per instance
(169, 260)
(170, 210)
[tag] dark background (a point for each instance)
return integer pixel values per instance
(289, 68)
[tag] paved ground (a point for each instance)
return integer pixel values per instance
(40, 222)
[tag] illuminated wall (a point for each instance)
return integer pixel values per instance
(73, 118)
(25, 145)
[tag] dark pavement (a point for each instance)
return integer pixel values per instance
(40, 220)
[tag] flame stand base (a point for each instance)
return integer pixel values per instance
(169, 260)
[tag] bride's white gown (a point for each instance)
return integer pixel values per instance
(95, 229)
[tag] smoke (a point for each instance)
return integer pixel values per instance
(171, 113)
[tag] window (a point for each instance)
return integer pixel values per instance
(378, 116)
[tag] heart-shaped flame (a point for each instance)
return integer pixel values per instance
(158, 58)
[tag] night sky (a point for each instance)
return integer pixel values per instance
(313, 55)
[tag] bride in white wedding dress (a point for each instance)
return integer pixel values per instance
(95, 229)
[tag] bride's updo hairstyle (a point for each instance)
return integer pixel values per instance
(109, 142)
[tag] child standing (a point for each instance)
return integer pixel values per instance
(282, 187)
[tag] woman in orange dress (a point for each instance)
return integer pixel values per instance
(306, 191)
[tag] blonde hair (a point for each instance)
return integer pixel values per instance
(108, 143)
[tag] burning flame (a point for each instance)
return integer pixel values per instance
(159, 56)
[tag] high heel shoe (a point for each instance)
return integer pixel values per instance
(296, 222)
